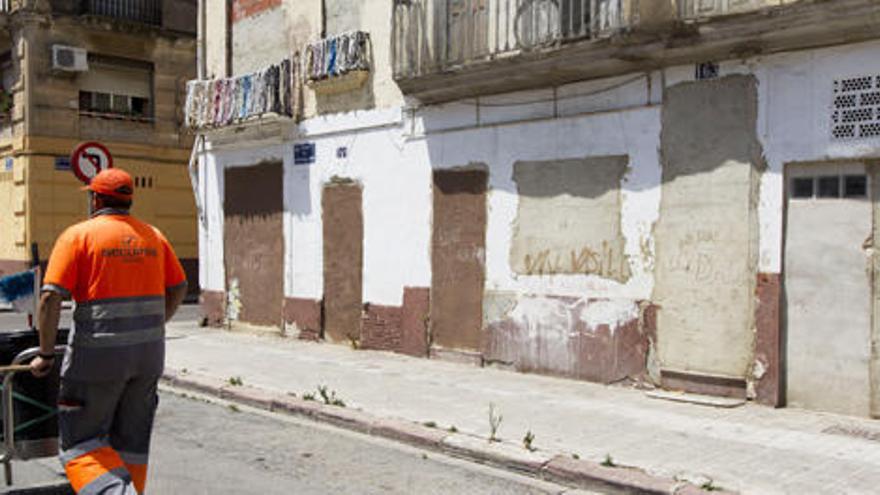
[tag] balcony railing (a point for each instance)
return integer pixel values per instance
(5, 6)
(430, 36)
(691, 9)
(139, 11)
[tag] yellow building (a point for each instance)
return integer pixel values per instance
(112, 71)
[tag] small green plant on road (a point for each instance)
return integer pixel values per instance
(309, 396)
(710, 486)
(453, 429)
(235, 381)
(527, 441)
(608, 462)
(430, 424)
(329, 397)
(575, 457)
(495, 419)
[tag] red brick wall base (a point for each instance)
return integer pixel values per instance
(400, 329)
(306, 314)
(767, 372)
(213, 307)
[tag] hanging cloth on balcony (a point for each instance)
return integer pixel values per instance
(217, 98)
(228, 101)
(246, 97)
(331, 59)
(283, 103)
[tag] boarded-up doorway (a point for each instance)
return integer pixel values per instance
(828, 288)
(343, 261)
(458, 258)
(253, 243)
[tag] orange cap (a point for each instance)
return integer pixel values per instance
(112, 182)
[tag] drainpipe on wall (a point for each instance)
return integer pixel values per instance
(199, 142)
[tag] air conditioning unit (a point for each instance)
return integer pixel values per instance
(69, 58)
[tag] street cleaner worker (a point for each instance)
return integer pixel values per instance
(126, 282)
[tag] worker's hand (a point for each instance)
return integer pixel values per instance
(41, 367)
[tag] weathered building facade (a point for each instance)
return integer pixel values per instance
(673, 193)
(113, 71)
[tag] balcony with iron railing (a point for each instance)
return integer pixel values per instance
(137, 11)
(444, 50)
(436, 35)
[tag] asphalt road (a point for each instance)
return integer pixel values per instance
(211, 447)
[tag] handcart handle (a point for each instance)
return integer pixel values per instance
(14, 368)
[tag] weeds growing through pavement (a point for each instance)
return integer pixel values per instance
(430, 424)
(235, 381)
(527, 441)
(330, 398)
(710, 486)
(453, 429)
(608, 462)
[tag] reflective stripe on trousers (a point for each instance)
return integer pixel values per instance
(101, 470)
(117, 322)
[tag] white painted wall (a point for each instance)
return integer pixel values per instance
(392, 156)
(795, 97)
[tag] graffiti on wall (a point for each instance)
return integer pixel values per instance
(696, 259)
(604, 261)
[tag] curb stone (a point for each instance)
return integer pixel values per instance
(556, 468)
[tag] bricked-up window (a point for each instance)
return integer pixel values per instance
(117, 88)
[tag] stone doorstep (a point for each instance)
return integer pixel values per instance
(505, 455)
(697, 399)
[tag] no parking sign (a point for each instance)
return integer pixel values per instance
(88, 159)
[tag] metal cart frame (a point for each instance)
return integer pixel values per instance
(30, 449)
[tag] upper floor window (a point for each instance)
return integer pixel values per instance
(115, 87)
(8, 78)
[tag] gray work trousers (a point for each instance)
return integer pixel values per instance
(105, 431)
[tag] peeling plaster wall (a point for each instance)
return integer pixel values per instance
(260, 40)
(392, 155)
(578, 325)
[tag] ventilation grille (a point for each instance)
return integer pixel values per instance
(856, 108)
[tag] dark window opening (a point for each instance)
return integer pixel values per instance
(114, 105)
(802, 187)
(855, 186)
(829, 187)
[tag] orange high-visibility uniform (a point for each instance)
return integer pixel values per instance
(117, 269)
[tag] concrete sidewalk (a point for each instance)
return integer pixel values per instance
(751, 449)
